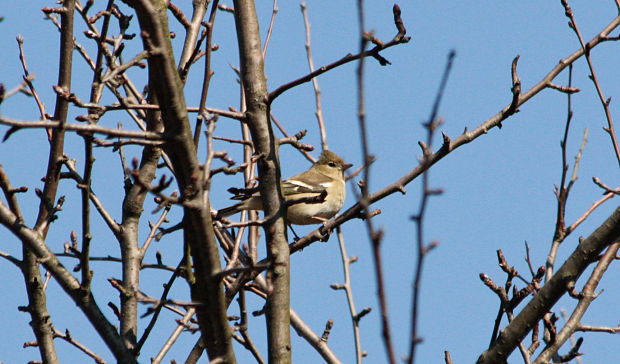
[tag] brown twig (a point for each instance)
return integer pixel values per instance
(248, 343)
(586, 297)
(178, 14)
(10, 195)
(19, 88)
(274, 11)
(107, 217)
(174, 336)
(589, 211)
(422, 248)
(135, 61)
(208, 73)
(346, 286)
(287, 135)
(604, 102)
(315, 82)
(607, 329)
(28, 80)
(154, 228)
(295, 142)
(573, 342)
(563, 190)
(84, 128)
(373, 52)
(608, 190)
(69, 338)
(375, 236)
(516, 86)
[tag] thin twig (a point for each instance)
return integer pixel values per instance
(174, 336)
(208, 73)
(422, 248)
(375, 236)
(586, 297)
(274, 11)
(69, 338)
(107, 217)
(243, 329)
(374, 52)
(562, 191)
(154, 228)
(315, 82)
(28, 80)
(346, 286)
(84, 128)
(604, 102)
(287, 135)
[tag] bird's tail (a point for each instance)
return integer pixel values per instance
(231, 210)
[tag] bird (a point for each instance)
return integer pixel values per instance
(325, 178)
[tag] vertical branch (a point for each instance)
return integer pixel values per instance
(32, 274)
(249, 175)
(315, 82)
(131, 254)
(165, 83)
(355, 316)
(422, 249)
(89, 159)
(52, 176)
(256, 97)
(97, 85)
(207, 73)
(243, 329)
(132, 209)
(37, 305)
(375, 235)
(561, 191)
(95, 97)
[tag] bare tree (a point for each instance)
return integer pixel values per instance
(220, 259)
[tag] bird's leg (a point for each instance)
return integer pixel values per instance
(325, 236)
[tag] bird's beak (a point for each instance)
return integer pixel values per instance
(346, 166)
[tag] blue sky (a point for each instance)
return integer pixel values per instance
(498, 189)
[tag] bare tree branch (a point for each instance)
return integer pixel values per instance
(256, 96)
(585, 253)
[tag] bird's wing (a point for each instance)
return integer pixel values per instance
(291, 186)
(295, 184)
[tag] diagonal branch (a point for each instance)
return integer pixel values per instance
(448, 146)
(373, 52)
(585, 254)
(84, 300)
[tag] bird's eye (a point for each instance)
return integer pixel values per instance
(332, 164)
